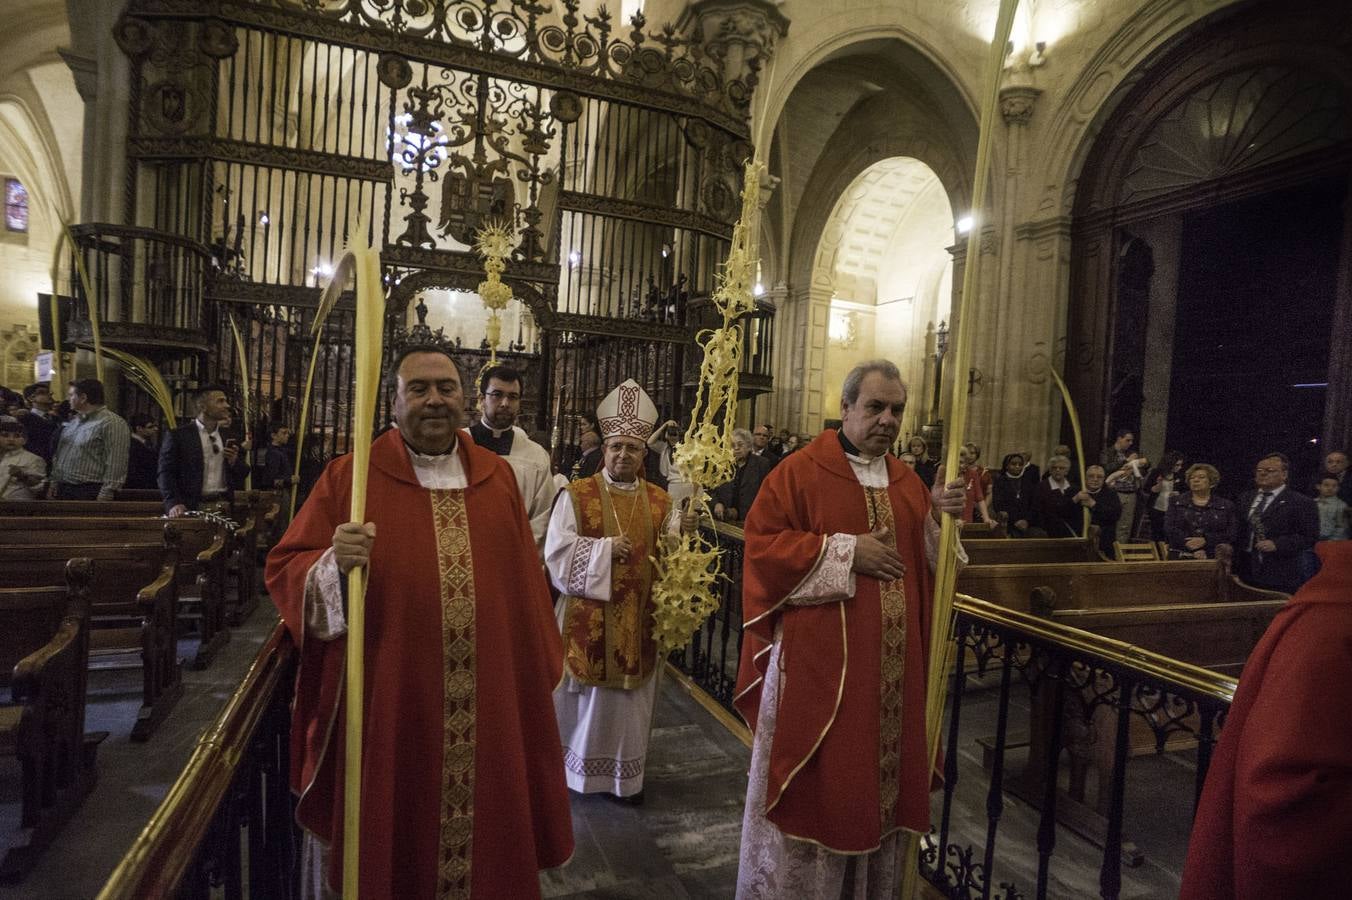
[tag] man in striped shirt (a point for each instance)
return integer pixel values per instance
(90, 462)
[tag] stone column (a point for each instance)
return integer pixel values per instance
(102, 77)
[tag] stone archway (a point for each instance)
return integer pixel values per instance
(1250, 102)
(893, 102)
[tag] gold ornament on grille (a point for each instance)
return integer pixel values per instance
(493, 242)
(683, 593)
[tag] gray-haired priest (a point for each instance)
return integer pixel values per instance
(839, 549)
(602, 534)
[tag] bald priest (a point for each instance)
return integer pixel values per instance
(462, 769)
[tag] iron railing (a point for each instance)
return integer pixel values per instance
(1094, 702)
(227, 827)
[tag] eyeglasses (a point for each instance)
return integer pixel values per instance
(502, 395)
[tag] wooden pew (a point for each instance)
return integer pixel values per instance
(1102, 585)
(991, 530)
(1015, 551)
(44, 670)
(241, 569)
(203, 559)
(137, 592)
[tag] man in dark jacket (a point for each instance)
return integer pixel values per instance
(143, 459)
(196, 465)
(1279, 526)
(733, 499)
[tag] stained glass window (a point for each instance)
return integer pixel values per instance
(16, 205)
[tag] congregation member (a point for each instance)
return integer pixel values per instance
(976, 503)
(500, 390)
(1104, 505)
(39, 421)
(1157, 491)
(461, 761)
(1199, 521)
(1055, 508)
(1279, 526)
(733, 499)
(603, 535)
(90, 459)
(1335, 464)
(925, 466)
(839, 553)
(199, 467)
(1126, 468)
(1335, 516)
(143, 457)
(589, 445)
(663, 442)
(279, 465)
(761, 439)
(22, 472)
(1013, 497)
(1275, 816)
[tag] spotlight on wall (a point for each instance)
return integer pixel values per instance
(263, 218)
(666, 250)
(758, 290)
(322, 270)
(574, 259)
(964, 224)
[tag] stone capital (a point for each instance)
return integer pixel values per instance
(85, 70)
(741, 34)
(1017, 102)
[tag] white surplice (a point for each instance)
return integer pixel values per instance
(771, 865)
(604, 730)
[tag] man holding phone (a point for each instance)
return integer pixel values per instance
(199, 469)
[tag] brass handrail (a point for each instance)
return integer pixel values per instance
(155, 864)
(1153, 665)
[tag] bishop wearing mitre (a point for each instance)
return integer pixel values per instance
(603, 534)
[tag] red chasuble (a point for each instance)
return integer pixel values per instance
(848, 764)
(463, 792)
(1275, 818)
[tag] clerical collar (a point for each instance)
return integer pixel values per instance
(500, 442)
(413, 451)
(496, 432)
(620, 485)
(850, 449)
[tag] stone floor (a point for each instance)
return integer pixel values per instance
(682, 843)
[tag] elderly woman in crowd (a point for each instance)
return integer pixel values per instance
(1198, 522)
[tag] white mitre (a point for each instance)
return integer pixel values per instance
(627, 410)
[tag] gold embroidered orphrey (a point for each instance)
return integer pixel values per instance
(893, 597)
(456, 569)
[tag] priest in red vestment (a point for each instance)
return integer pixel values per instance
(1275, 818)
(462, 775)
(837, 595)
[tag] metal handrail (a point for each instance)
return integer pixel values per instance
(166, 848)
(1146, 663)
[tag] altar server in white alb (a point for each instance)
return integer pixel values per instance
(602, 533)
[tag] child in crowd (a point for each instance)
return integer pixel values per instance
(1333, 512)
(21, 472)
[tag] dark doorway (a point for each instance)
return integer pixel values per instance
(1251, 342)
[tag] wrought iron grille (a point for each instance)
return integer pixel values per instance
(267, 131)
